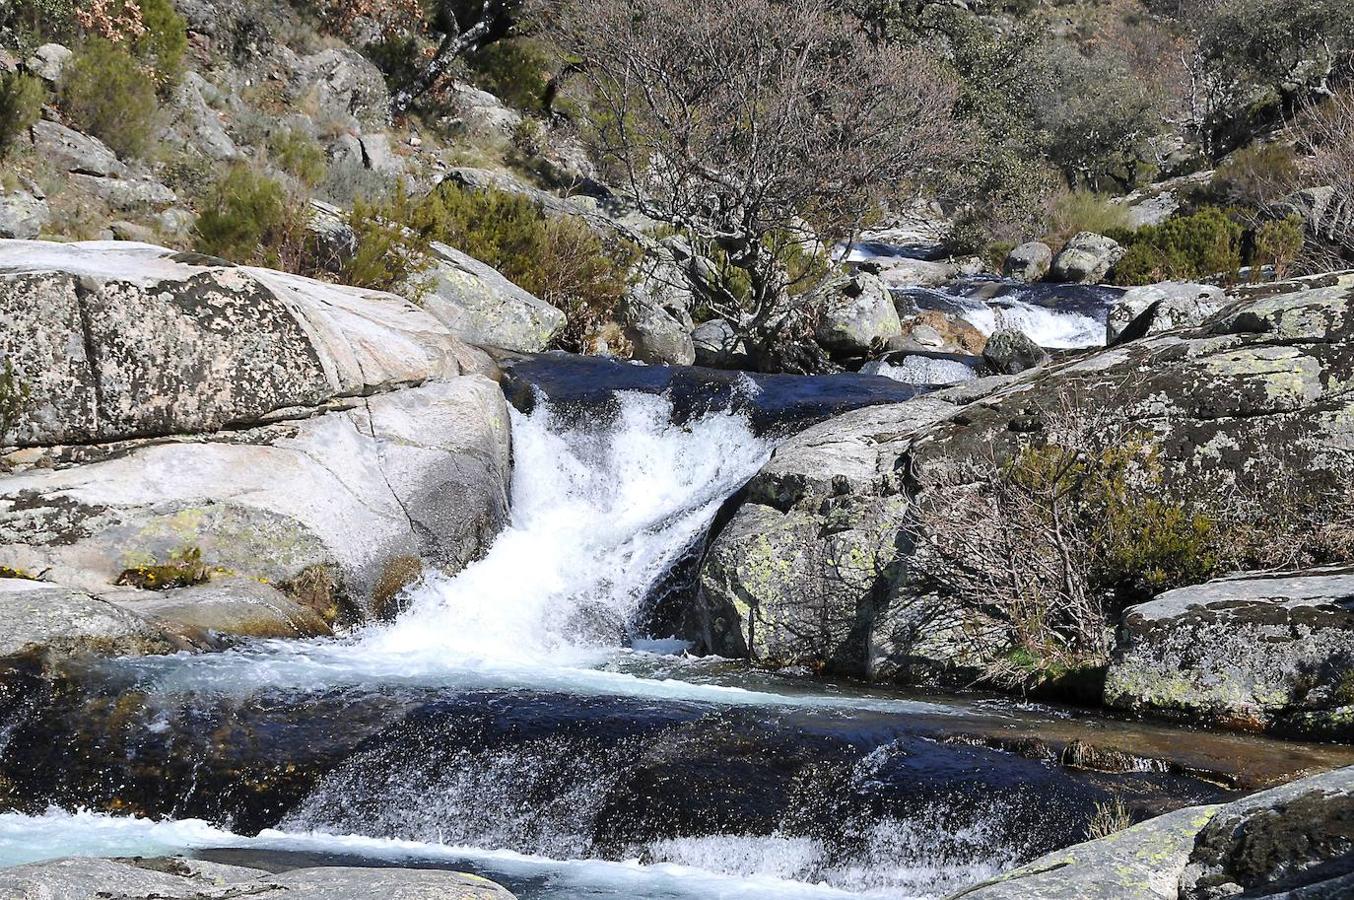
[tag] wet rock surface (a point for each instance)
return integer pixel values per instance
(185, 879)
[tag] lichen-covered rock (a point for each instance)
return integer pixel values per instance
(1254, 400)
(1243, 651)
(1086, 259)
(23, 215)
(36, 617)
(1295, 841)
(48, 62)
(1198, 300)
(118, 340)
(1028, 262)
(480, 306)
(1142, 863)
(800, 574)
(77, 878)
(857, 314)
(422, 471)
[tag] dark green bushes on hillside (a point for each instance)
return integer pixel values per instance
(21, 99)
(105, 92)
(1186, 248)
(164, 42)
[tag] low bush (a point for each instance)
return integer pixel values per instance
(1279, 243)
(106, 93)
(21, 100)
(1257, 176)
(1186, 248)
(163, 43)
(250, 218)
(391, 246)
(185, 568)
(516, 71)
(299, 155)
(1073, 212)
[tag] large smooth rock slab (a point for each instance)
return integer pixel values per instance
(1241, 651)
(117, 340)
(215, 614)
(77, 878)
(419, 472)
(480, 306)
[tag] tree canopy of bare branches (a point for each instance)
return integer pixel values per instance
(738, 120)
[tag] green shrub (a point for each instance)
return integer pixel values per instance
(248, 217)
(516, 71)
(391, 246)
(164, 42)
(21, 100)
(107, 94)
(299, 155)
(1073, 212)
(1279, 243)
(1185, 248)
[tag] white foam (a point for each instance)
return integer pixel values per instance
(28, 839)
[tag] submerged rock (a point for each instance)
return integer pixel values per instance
(1243, 651)
(185, 879)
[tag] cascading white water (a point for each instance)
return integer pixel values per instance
(599, 515)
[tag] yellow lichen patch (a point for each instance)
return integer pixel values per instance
(185, 568)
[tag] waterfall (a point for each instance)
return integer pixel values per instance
(600, 512)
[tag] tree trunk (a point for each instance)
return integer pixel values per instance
(493, 24)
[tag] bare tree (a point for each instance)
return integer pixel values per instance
(463, 32)
(742, 121)
(465, 26)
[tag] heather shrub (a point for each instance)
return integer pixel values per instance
(1279, 243)
(248, 217)
(1185, 248)
(106, 93)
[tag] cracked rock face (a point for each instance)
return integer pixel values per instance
(1261, 391)
(189, 879)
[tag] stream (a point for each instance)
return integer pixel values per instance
(529, 720)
